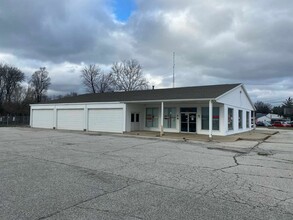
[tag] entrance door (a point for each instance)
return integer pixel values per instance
(135, 124)
(188, 121)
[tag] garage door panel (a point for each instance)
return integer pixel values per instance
(42, 118)
(71, 119)
(105, 120)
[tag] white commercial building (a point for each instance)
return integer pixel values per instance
(211, 110)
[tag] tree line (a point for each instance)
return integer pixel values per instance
(14, 96)
(126, 75)
(285, 109)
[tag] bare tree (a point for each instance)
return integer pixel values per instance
(10, 79)
(40, 82)
(89, 76)
(262, 107)
(104, 83)
(127, 75)
(95, 80)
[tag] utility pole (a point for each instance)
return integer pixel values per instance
(173, 69)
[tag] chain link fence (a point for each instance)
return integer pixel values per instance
(10, 120)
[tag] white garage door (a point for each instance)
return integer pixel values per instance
(106, 120)
(70, 119)
(42, 118)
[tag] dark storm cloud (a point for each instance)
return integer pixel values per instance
(216, 41)
(57, 30)
(219, 41)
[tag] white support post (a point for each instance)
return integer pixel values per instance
(210, 119)
(162, 120)
(85, 117)
(31, 116)
(125, 110)
(254, 120)
(55, 117)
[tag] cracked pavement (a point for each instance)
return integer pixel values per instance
(47, 174)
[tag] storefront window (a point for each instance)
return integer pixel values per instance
(216, 118)
(247, 119)
(169, 117)
(230, 119)
(240, 119)
(151, 117)
(205, 118)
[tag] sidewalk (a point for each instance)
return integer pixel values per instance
(254, 135)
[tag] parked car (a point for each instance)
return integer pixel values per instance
(289, 123)
(281, 124)
(263, 124)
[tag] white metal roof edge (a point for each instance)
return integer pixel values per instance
(74, 103)
(170, 100)
(122, 102)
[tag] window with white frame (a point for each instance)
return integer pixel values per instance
(240, 119)
(230, 119)
(169, 117)
(247, 120)
(205, 118)
(152, 118)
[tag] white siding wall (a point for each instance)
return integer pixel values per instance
(236, 98)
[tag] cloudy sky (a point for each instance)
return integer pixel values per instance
(215, 41)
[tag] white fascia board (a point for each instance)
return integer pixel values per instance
(75, 103)
(170, 100)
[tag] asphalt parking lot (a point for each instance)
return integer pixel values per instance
(47, 174)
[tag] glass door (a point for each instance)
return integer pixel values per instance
(192, 122)
(184, 122)
(188, 121)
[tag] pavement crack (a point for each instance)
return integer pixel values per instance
(86, 200)
(133, 146)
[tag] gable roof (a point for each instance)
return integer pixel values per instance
(184, 93)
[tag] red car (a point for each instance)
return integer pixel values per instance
(281, 124)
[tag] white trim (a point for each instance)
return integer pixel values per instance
(162, 119)
(75, 103)
(86, 120)
(167, 100)
(211, 118)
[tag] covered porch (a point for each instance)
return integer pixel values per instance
(204, 117)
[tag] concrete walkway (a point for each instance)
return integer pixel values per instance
(255, 135)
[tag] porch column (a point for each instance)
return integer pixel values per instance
(162, 120)
(55, 117)
(254, 120)
(210, 119)
(85, 116)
